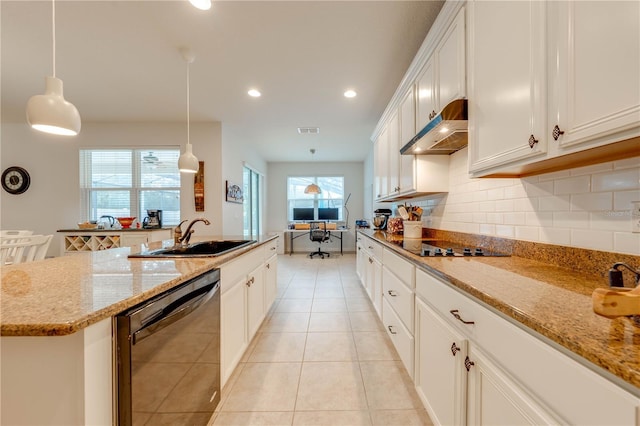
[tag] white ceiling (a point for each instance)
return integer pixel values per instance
(120, 61)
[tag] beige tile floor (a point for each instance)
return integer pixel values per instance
(321, 357)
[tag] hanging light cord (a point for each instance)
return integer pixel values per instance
(53, 29)
(188, 65)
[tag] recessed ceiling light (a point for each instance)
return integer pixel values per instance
(254, 93)
(350, 94)
(201, 4)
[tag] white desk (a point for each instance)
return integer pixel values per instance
(296, 233)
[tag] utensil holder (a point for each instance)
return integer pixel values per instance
(412, 228)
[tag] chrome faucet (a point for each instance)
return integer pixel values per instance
(182, 239)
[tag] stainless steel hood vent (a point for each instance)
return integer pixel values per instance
(444, 134)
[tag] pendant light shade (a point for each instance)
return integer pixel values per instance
(312, 189)
(51, 113)
(188, 163)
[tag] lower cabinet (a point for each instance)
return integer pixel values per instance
(475, 367)
(440, 378)
(369, 269)
(248, 289)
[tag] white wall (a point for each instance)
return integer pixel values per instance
(586, 207)
(52, 200)
(276, 208)
(236, 154)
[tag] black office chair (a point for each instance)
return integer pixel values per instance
(318, 232)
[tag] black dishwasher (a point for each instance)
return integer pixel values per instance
(168, 356)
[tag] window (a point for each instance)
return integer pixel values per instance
(252, 187)
(127, 182)
(323, 204)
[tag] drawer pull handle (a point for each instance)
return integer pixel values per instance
(557, 132)
(370, 260)
(457, 316)
(468, 363)
(391, 330)
(370, 248)
(272, 248)
(392, 293)
(268, 266)
(455, 349)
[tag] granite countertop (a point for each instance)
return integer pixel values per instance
(551, 301)
(63, 295)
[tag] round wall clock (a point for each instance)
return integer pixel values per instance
(15, 180)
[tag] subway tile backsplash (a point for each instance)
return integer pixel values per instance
(586, 207)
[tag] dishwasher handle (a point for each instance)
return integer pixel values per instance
(174, 312)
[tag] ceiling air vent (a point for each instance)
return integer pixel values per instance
(308, 130)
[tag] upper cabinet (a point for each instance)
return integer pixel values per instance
(521, 123)
(436, 76)
(443, 77)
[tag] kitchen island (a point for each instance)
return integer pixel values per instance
(56, 323)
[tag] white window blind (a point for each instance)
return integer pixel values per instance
(127, 182)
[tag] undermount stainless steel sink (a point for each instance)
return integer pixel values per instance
(199, 249)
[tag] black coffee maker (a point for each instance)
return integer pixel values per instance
(380, 217)
(153, 219)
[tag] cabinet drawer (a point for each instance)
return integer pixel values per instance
(233, 271)
(516, 350)
(374, 249)
(402, 268)
(400, 336)
(399, 296)
(270, 248)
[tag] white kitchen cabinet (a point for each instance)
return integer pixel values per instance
(440, 376)
(513, 377)
(393, 158)
(255, 300)
(242, 306)
(407, 132)
(373, 274)
(400, 336)
(381, 166)
(507, 82)
(270, 282)
(443, 77)
(522, 123)
(595, 84)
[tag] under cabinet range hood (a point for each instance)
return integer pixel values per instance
(445, 134)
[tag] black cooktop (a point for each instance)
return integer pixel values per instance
(440, 248)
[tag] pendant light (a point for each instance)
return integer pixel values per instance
(188, 163)
(312, 188)
(51, 113)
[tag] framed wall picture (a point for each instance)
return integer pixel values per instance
(234, 193)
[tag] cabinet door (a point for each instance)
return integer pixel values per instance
(129, 239)
(407, 132)
(233, 322)
(494, 399)
(393, 159)
(361, 259)
(451, 64)
(426, 103)
(381, 154)
(507, 84)
(270, 282)
(255, 301)
(440, 375)
(376, 285)
(597, 70)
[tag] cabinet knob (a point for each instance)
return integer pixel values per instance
(391, 330)
(532, 141)
(392, 293)
(370, 260)
(268, 266)
(457, 316)
(468, 363)
(557, 132)
(455, 349)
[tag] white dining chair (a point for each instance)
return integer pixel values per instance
(24, 249)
